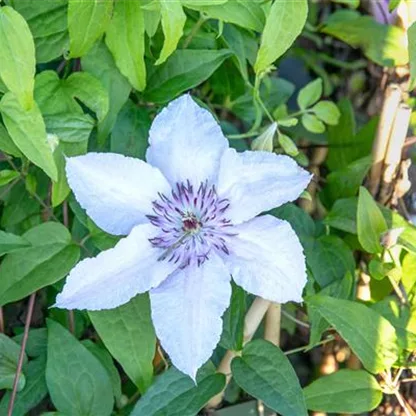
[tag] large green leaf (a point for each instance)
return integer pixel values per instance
(184, 398)
(9, 353)
(6, 143)
(125, 39)
(34, 391)
(247, 14)
(70, 127)
(77, 382)
(284, 24)
(372, 338)
(100, 63)
(346, 391)
(47, 21)
(173, 22)
(50, 257)
(266, 373)
(185, 69)
(11, 242)
(87, 21)
(17, 56)
(128, 334)
(383, 44)
(370, 222)
(411, 34)
(130, 133)
(27, 130)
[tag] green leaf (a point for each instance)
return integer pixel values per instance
(128, 334)
(27, 130)
(310, 94)
(288, 145)
(185, 69)
(100, 63)
(130, 133)
(411, 33)
(383, 44)
(328, 112)
(313, 124)
(173, 22)
(7, 176)
(370, 222)
(17, 54)
(77, 382)
(6, 143)
(247, 14)
(284, 24)
(185, 398)
(70, 127)
(9, 352)
(125, 39)
(371, 337)
(47, 21)
(265, 372)
(87, 22)
(34, 391)
(265, 141)
(330, 259)
(36, 342)
(49, 258)
(10, 242)
(232, 336)
(409, 272)
(346, 391)
(89, 91)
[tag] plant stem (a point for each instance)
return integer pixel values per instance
(252, 321)
(22, 353)
(272, 324)
(1, 320)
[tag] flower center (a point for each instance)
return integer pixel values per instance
(192, 224)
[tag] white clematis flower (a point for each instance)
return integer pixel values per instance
(189, 219)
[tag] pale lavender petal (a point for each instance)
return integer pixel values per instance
(115, 190)
(255, 182)
(186, 143)
(116, 275)
(266, 259)
(186, 311)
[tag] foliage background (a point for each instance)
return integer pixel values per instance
(80, 75)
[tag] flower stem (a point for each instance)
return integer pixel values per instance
(272, 324)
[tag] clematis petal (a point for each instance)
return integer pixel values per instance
(116, 275)
(186, 312)
(256, 182)
(266, 259)
(186, 143)
(115, 190)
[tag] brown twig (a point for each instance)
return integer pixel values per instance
(22, 352)
(1, 320)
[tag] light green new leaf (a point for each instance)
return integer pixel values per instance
(370, 222)
(173, 22)
(9, 353)
(27, 130)
(185, 398)
(346, 391)
(313, 124)
(89, 91)
(17, 56)
(34, 391)
(247, 14)
(100, 63)
(11, 242)
(125, 39)
(284, 24)
(7, 176)
(327, 111)
(48, 23)
(372, 337)
(183, 70)
(310, 94)
(78, 383)
(128, 333)
(266, 373)
(87, 22)
(49, 258)
(411, 34)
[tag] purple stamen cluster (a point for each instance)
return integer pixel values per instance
(192, 224)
